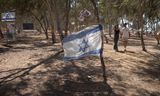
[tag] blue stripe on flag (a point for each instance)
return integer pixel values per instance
(83, 33)
(94, 52)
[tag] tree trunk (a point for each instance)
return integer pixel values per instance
(52, 28)
(156, 37)
(53, 34)
(110, 29)
(45, 31)
(76, 20)
(58, 21)
(67, 16)
(1, 34)
(51, 16)
(155, 33)
(95, 10)
(102, 35)
(142, 41)
(158, 42)
(110, 15)
(76, 26)
(46, 25)
(142, 31)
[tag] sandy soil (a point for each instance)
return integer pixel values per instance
(34, 67)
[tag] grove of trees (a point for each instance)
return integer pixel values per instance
(62, 15)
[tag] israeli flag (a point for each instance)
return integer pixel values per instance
(83, 43)
(8, 16)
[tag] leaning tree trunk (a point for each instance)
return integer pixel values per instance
(39, 21)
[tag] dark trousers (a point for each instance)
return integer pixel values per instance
(116, 38)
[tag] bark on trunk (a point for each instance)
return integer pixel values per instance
(110, 15)
(110, 29)
(96, 10)
(46, 25)
(52, 28)
(67, 16)
(141, 21)
(102, 35)
(51, 16)
(142, 30)
(58, 21)
(142, 41)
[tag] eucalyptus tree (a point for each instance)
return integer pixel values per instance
(40, 14)
(153, 15)
(142, 9)
(33, 9)
(135, 9)
(108, 4)
(67, 15)
(50, 9)
(57, 14)
(115, 10)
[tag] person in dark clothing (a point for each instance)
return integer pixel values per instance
(116, 37)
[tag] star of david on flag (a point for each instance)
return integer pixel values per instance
(8, 16)
(83, 46)
(83, 43)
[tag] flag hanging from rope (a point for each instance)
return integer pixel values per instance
(83, 14)
(83, 43)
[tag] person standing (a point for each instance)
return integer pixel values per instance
(125, 36)
(116, 37)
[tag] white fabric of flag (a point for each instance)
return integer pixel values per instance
(83, 43)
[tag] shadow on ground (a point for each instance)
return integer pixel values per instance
(59, 82)
(153, 69)
(69, 79)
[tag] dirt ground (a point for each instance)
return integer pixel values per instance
(33, 66)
